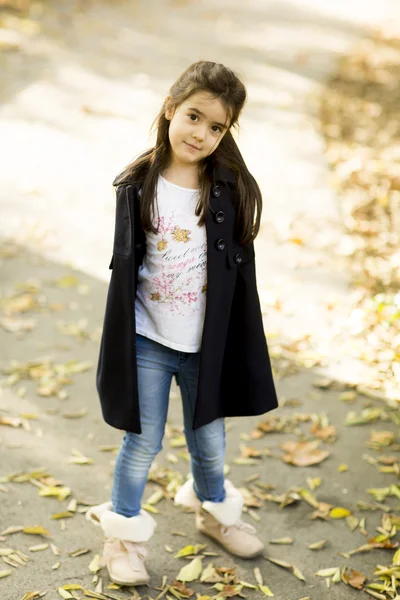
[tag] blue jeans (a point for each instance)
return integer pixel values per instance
(156, 365)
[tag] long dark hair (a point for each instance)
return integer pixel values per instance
(222, 83)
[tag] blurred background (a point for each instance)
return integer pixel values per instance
(82, 80)
(80, 84)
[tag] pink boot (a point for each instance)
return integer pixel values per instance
(221, 520)
(124, 552)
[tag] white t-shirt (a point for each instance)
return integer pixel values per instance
(172, 281)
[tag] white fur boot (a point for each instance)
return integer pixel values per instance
(221, 520)
(124, 552)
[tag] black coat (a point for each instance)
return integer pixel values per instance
(235, 377)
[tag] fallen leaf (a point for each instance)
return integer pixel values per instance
(318, 545)
(191, 571)
(5, 573)
(258, 576)
(78, 552)
(189, 550)
(36, 530)
(328, 572)
(94, 565)
(266, 591)
(339, 513)
(38, 547)
(303, 454)
(355, 579)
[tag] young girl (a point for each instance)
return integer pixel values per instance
(183, 302)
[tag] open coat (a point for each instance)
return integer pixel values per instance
(235, 376)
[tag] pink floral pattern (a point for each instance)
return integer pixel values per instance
(173, 288)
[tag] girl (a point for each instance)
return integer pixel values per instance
(183, 302)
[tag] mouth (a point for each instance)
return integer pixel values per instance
(191, 146)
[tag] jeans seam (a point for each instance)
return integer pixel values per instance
(195, 441)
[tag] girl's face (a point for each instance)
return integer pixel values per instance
(197, 127)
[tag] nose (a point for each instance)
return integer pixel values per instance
(199, 134)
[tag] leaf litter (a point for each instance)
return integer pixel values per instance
(377, 310)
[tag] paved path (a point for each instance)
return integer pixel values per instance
(77, 102)
(79, 98)
(49, 442)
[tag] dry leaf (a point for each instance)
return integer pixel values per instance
(318, 545)
(191, 571)
(266, 591)
(355, 579)
(5, 573)
(303, 454)
(258, 576)
(38, 547)
(94, 565)
(36, 530)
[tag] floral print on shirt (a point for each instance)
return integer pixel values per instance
(173, 288)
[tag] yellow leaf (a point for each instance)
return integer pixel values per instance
(297, 573)
(59, 492)
(265, 590)
(156, 497)
(72, 586)
(191, 571)
(186, 551)
(317, 545)
(178, 442)
(5, 573)
(327, 572)
(284, 540)
(37, 530)
(309, 497)
(151, 509)
(39, 547)
(94, 566)
(248, 585)
(313, 482)
(343, 467)
(80, 460)
(339, 513)
(396, 558)
(62, 515)
(67, 281)
(258, 576)
(64, 594)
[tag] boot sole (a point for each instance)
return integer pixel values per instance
(129, 583)
(254, 555)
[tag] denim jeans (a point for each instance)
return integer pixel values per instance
(156, 365)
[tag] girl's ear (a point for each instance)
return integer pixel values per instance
(169, 113)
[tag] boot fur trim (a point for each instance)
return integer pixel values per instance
(94, 513)
(227, 512)
(186, 496)
(130, 529)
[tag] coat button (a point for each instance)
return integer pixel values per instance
(238, 258)
(220, 216)
(216, 191)
(221, 244)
